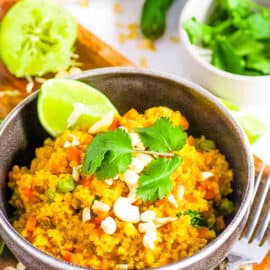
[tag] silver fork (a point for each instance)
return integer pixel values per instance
(254, 241)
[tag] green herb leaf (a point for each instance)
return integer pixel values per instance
(238, 36)
(108, 154)
(259, 62)
(198, 32)
(196, 218)
(155, 182)
(163, 136)
(260, 25)
(224, 56)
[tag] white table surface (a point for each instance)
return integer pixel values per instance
(100, 18)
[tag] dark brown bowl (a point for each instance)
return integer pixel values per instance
(21, 133)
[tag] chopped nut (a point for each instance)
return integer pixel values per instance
(108, 225)
(86, 214)
(149, 238)
(146, 226)
(100, 206)
(206, 175)
(148, 216)
(172, 200)
(125, 211)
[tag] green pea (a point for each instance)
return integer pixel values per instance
(226, 207)
(66, 184)
(207, 145)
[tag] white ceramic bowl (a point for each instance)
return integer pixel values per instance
(240, 89)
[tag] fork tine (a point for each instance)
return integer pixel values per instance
(252, 211)
(266, 235)
(258, 206)
(263, 229)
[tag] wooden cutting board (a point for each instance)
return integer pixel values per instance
(93, 53)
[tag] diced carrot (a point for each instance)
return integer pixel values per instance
(210, 188)
(86, 182)
(98, 220)
(28, 193)
(205, 233)
(73, 154)
(31, 224)
(67, 257)
(264, 265)
(114, 124)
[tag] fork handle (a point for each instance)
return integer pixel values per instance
(235, 261)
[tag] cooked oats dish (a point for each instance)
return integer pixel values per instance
(129, 192)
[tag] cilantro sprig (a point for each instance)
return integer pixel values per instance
(110, 153)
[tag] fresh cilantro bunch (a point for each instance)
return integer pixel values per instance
(110, 153)
(238, 33)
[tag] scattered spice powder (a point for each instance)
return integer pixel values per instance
(132, 31)
(146, 44)
(117, 8)
(122, 38)
(143, 62)
(174, 39)
(120, 25)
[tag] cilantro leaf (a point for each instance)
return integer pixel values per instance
(225, 57)
(155, 182)
(259, 62)
(260, 26)
(108, 154)
(196, 218)
(198, 32)
(163, 136)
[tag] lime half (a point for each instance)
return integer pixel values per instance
(65, 103)
(37, 37)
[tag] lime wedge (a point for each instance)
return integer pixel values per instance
(65, 103)
(253, 127)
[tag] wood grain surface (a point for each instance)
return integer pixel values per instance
(93, 53)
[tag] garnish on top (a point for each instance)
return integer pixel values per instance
(110, 153)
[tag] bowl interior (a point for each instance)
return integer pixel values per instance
(21, 133)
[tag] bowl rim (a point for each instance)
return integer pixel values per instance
(189, 47)
(211, 247)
